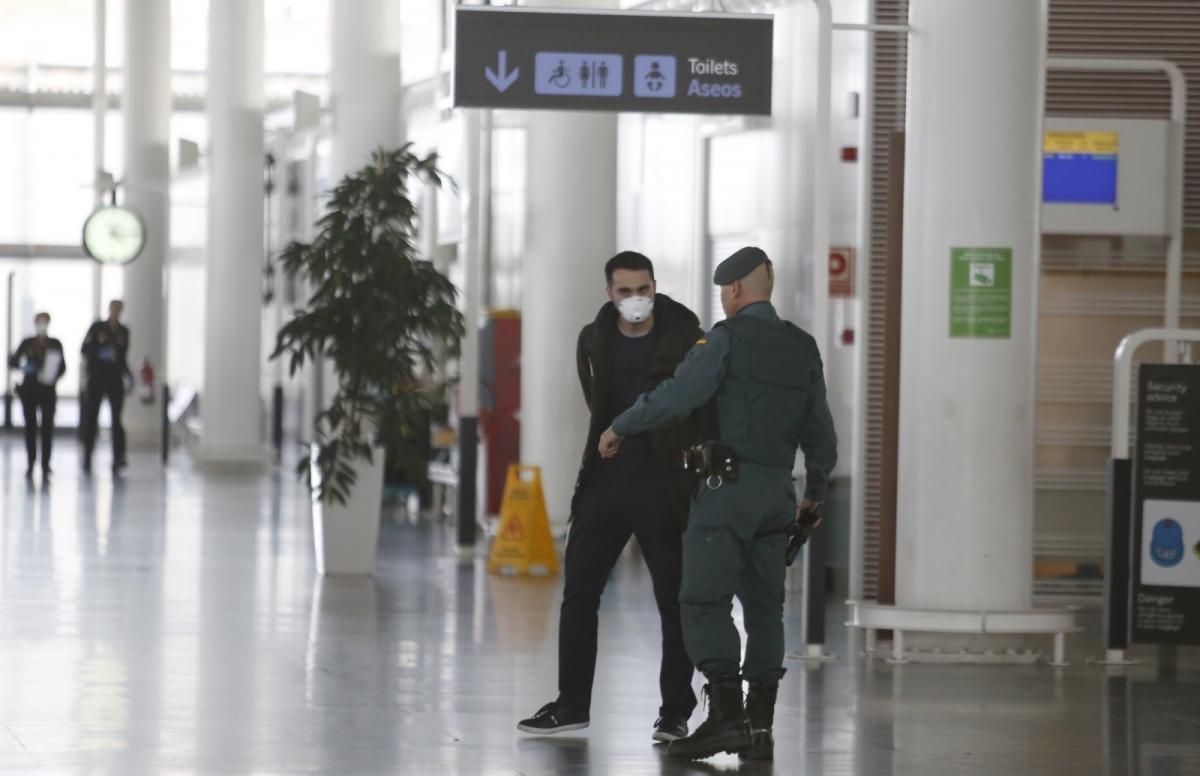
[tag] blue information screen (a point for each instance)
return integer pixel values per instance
(1080, 168)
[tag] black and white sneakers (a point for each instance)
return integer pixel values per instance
(552, 718)
(556, 717)
(669, 729)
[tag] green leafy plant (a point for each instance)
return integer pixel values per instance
(380, 313)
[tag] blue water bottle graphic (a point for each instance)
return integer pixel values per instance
(1166, 544)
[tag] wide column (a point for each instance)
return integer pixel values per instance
(366, 101)
(365, 80)
(966, 451)
(146, 105)
(231, 403)
(571, 227)
(571, 231)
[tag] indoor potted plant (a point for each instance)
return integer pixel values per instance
(385, 318)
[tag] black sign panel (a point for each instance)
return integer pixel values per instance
(612, 61)
(1166, 503)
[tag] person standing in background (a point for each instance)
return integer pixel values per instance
(40, 359)
(106, 363)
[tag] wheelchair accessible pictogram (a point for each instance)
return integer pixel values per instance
(577, 74)
(560, 77)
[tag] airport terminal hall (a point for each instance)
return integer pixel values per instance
(600, 387)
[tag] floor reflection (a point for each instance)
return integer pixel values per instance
(171, 623)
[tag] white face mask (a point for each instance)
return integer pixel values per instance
(636, 309)
(41, 328)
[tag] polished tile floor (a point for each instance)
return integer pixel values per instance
(172, 624)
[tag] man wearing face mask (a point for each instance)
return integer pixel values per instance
(40, 359)
(637, 340)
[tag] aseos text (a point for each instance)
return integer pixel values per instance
(719, 90)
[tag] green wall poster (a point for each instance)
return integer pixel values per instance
(981, 292)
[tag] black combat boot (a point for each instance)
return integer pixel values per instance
(725, 730)
(760, 711)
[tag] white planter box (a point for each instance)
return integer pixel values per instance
(347, 535)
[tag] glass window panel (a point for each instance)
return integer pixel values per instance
(420, 50)
(57, 31)
(508, 215)
(297, 36)
(60, 191)
(14, 205)
(61, 287)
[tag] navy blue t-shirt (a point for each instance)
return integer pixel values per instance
(632, 359)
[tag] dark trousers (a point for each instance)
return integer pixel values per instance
(732, 547)
(618, 502)
(38, 400)
(95, 393)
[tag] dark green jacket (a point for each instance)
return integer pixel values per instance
(703, 374)
(677, 329)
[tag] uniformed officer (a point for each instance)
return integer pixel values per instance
(767, 377)
(106, 363)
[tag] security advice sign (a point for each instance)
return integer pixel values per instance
(612, 61)
(1166, 492)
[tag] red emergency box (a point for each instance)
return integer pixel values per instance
(500, 401)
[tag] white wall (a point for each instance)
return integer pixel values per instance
(770, 203)
(656, 213)
(849, 77)
(185, 279)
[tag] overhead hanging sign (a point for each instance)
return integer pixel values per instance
(1166, 506)
(612, 61)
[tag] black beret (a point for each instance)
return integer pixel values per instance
(739, 265)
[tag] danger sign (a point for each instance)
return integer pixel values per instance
(841, 272)
(523, 543)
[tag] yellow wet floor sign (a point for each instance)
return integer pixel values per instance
(523, 543)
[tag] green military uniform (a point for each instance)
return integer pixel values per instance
(769, 386)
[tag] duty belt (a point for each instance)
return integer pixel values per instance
(712, 463)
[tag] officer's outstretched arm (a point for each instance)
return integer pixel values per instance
(818, 440)
(695, 381)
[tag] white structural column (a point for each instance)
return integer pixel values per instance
(102, 180)
(366, 100)
(231, 403)
(965, 514)
(787, 214)
(476, 138)
(365, 81)
(146, 104)
(570, 232)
